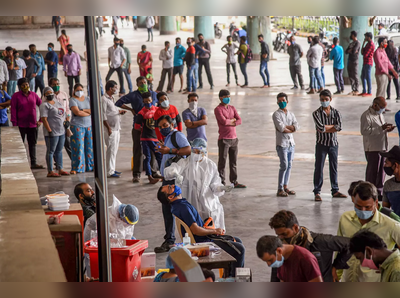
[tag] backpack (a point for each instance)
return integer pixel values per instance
(249, 55)
(176, 158)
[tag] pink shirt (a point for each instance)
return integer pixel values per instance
(23, 109)
(224, 114)
(382, 63)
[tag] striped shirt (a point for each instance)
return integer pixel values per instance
(321, 119)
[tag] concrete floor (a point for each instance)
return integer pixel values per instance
(247, 211)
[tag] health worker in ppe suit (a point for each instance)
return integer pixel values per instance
(198, 177)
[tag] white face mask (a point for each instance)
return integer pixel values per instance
(193, 105)
(79, 93)
(197, 157)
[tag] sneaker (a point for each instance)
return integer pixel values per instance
(337, 92)
(367, 94)
(200, 87)
(37, 167)
(311, 91)
(165, 247)
(115, 175)
(294, 87)
(136, 179)
(118, 173)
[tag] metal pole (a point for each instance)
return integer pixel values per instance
(98, 151)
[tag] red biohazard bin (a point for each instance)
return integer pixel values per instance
(125, 262)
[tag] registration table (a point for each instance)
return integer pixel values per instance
(216, 261)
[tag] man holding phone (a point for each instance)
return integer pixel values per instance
(375, 130)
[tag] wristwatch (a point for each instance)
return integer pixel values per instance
(170, 150)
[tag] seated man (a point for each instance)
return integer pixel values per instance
(294, 263)
(322, 246)
(86, 197)
(372, 253)
(181, 208)
(198, 177)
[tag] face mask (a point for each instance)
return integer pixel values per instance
(121, 44)
(50, 97)
(293, 42)
(177, 191)
(165, 103)
(197, 157)
(116, 44)
(79, 93)
(277, 263)
(50, 49)
(193, 105)
(369, 263)
(143, 51)
(381, 111)
(363, 214)
(143, 88)
(385, 46)
(201, 39)
(229, 42)
(226, 100)
(16, 57)
(389, 171)
(89, 201)
(178, 44)
(25, 89)
(165, 131)
(56, 88)
(325, 104)
(282, 104)
(70, 50)
(147, 105)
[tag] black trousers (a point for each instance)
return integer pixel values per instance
(339, 82)
(228, 71)
(71, 80)
(164, 73)
(120, 77)
(396, 86)
(352, 69)
(31, 134)
(295, 72)
(206, 63)
(39, 84)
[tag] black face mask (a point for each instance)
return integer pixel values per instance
(201, 39)
(121, 44)
(389, 171)
(189, 44)
(69, 50)
(50, 97)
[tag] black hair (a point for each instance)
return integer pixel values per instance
(365, 191)
(64, 32)
(9, 49)
(51, 80)
(69, 45)
(381, 40)
(139, 79)
(200, 34)
(315, 39)
(192, 95)
(32, 45)
(268, 244)
(78, 85)
(353, 186)
(51, 44)
(166, 117)
(282, 95)
(260, 35)
(243, 38)
(223, 92)
(325, 92)
(162, 196)
(178, 38)
(167, 42)
(335, 40)
(162, 93)
(144, 46)
(283, 219)
(354, 33)
(208, 273)
(78, 189)
(364, 238)
(146, 95)
(191, 39)
(116, 39)
(229, 36)
(381, 24)
(26, 53)
(110, 84)
(22, 81)
(149, 69)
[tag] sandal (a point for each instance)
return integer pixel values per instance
(339, 195)
(63, 173)
(238, 185)
(53, 174)
(290, 192)
(318, 198)
(282, 193)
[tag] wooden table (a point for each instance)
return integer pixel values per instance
(222, 260)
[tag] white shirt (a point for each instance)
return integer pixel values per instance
(150, 22)
(166, 57)
(374, 137)
(116, 56)
(382, 31)
(111, 112)
(281, 120)
(3, 72)
(314, 56)
(230, 52)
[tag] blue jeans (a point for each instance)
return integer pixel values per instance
(191, 86)
(54, 146)
(32, 84)
(128, 78)
(101, 84)
(264, 72)
(286, 155)
(321, 152)
(243, 67)
(366, 78)
(148, 147)
(323, 78)
(169, 221)
(316, 78)
(11, 86)
(196, 74)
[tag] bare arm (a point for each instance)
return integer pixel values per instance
(77, 112)
(46, 124)
(195, 124)
(317, 279)
(200, 231)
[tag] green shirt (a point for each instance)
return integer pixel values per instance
(390, 269)
(383, 226)
(128, 57)
(243, 49)
(149, 76)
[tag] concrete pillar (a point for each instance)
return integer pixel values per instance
(141, 21)
(167, 25)
(259, 25)
(204, 25)
(361, 25)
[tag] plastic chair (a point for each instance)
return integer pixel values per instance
(179, 223)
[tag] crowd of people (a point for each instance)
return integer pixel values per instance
(191, 182)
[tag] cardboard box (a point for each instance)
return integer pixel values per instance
(187, 269)
(199, 250)
(148, 266)
(243, 275)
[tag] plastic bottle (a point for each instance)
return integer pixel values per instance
(186, 239)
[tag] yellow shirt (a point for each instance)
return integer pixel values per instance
(243, 49)
(383, 226)
(391, 268)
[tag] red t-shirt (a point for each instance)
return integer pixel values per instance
(301, 266)
(173, 113)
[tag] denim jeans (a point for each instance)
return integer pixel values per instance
(321, 152)
(286, 155)
(323, 78)
(243, 67)
(191, 86)
(264, 72)
(148, 147)
(196, 74)
(11, 86)
(366, 78)
(32, 84)
(54, 146)
(169, 221)
(316, 78)
(128, 78)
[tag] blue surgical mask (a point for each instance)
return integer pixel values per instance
(277, 263)
(50, 49)
(293, 42)
(325, 104)
(177, 191)
(165, 131)
(226, 100)
(147, 105)
(165, 103)
(282, 104)
(363, 214)
(381, 111)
